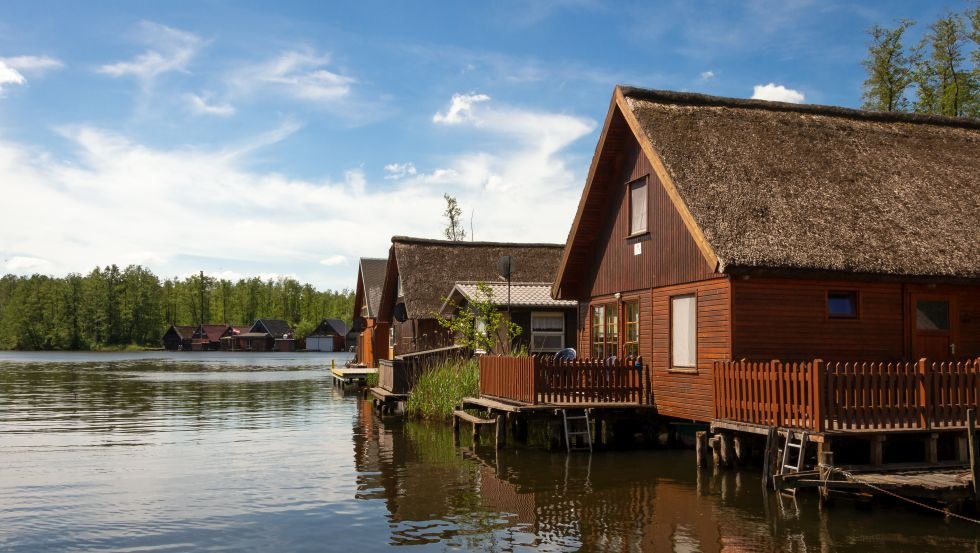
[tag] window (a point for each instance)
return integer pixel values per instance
(638, 206)
(683, 331)
(547, 331)
(631, 346)
(598, 331)
(605, 331)
(932, 315)
(842, 305)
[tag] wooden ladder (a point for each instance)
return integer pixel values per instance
(571, 431)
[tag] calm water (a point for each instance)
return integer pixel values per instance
(191, 451)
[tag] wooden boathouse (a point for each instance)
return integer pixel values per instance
(776, 265)
(372, 333)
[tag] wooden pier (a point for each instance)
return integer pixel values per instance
(343, 376)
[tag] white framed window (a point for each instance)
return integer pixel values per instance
(684, 331)
(547, 331)
(638, 206)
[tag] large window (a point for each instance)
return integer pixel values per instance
(547, 331)
(631, 344)
(684, 331)
(605, 330)
(638, 206)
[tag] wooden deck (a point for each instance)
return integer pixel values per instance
(939, 484)
(348, 375)
(510, 406)
(529, 381)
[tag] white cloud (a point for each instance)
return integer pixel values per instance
(460, 108)
(170, 50)
(24, 264)
(12, 69)
(777, 93)
(200, 105)
(394, 171)
(301, 74)
(707, 75)
(268, 224)
(334, 260)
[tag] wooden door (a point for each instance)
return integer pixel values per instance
(934, 326)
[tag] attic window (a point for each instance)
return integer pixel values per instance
(842, 305)
(638, 206)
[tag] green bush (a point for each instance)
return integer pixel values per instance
(440, 389)
(371, 380)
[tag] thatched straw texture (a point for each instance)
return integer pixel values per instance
(430, 268)
(777, 185)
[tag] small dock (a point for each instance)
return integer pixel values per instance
(343, 376)
(949, 486)
(387, 401)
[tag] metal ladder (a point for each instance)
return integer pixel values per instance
(571, 432)
(787, 465)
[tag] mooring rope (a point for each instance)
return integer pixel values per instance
(855, 479)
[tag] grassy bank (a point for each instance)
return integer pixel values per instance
(440, 389)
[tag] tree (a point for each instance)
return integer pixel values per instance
(944, 86)
(889, 69)
(480, 326)
(454, 229)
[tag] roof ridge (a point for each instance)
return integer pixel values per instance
(698, 99)
(433, 241)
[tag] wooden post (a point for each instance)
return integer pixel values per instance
(816, 394)
(825, 467)
(701, 448)
(971, 437)
(738, 446)
(932, 448)
(501, 431)
(476, 433)
(715, 444)
(962, 449)
(924, 389)
(769, 456)
(727, 451)
(778, 372)
(877, 449)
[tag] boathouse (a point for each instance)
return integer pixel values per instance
(178, 337)
(208, 337)
(422, 272)
(329, 335)
(372, 334)
(774, 266)
(547, 325)
(266, 335)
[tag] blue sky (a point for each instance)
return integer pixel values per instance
(291, 138)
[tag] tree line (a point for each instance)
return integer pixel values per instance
(112, 307)
(938, 75)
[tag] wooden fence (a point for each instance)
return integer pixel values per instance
(399, 375)
(847, 396)
(542, 380)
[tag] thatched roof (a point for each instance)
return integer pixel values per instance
(430, 268)
(372, 278)
(786, 186)
(522, 294)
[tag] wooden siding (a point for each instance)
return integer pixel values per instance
(669, 255)
(688, 394)
(786, 318)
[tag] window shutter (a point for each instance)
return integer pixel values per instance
(684, 331)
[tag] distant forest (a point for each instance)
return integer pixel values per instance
(112, 308)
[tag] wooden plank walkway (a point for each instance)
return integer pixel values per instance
(950, 484)
(511, 406)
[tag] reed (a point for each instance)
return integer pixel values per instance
(440, 389)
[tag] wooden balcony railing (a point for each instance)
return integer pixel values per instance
(847, 396)
(542, 380)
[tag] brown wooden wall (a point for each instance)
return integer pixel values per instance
(681, 393)
(669, 253)
(786, 318)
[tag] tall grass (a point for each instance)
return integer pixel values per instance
(439, 390)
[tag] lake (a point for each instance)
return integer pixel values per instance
(217, 451)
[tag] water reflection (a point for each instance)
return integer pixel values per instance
(622, 501)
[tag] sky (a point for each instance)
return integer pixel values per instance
(288, 139)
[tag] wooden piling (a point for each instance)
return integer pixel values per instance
(769, 457)
(877, 449)
(727, 449)
(701, 448)
(501, 428)
(932, 448)
(715, 444)
(738, 449)
(455, 430)
(974, 449)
